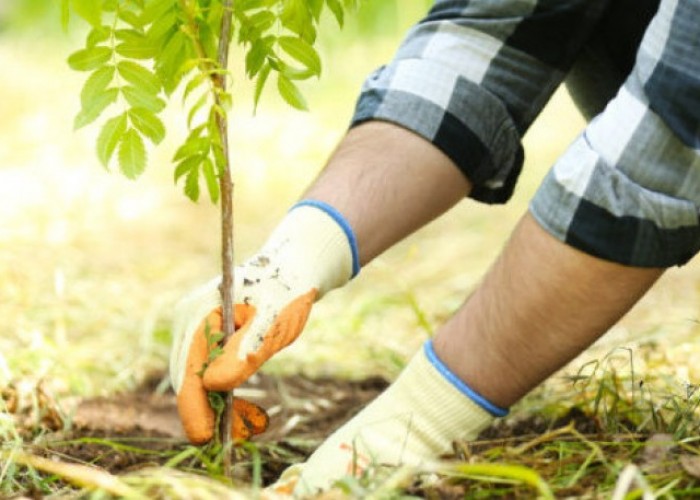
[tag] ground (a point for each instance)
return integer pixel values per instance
(574, 450)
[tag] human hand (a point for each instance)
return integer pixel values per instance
(307, 255)
(196, 412)
(412, 423)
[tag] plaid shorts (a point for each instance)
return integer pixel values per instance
(473, 75)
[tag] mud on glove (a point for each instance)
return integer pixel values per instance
(311, 252)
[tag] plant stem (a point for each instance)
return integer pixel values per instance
(226, 184)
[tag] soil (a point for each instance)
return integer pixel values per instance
(127, 432)
(137, 430)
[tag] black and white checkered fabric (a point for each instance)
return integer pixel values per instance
(473, 75)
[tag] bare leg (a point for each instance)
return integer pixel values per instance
(539, 306)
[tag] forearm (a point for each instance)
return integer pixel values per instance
(540, 305)
(387, 182)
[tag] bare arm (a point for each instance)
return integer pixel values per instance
(387, 182)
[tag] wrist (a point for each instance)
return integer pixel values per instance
(314, 246)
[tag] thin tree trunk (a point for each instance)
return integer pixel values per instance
(226, 183)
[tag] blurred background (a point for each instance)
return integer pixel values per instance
(91, 264)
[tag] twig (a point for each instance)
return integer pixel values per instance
(226, 184)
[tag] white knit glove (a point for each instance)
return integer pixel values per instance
(311, 252)
(411, 423)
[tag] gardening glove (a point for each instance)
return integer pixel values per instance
(413, 422)
(247, 419)
(311, 252)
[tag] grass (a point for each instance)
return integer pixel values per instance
(91, 265)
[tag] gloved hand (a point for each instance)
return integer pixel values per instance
(198, 417)
(412, 422)
(311, 252)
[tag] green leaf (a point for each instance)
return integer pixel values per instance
(140, 98)
(110, 5)
(136, 51)
(253, 27)
(161, 28)
(302, 52)
(170, 59)
(156, 9)
(207, 40)
(193, 146)
(192, 184)
(215, 15)
(197, 80)
(109, 137)
(139, 76)
(132, 154)
(90, 10)
(135, 44)
(65, 14)
(290, 93)
(337, 9)
(131, 18)
(244, 5)
(97, 105)
(95, 85)
(257, 54)
(187, 164)
(316, 7)
(97, 35)
(89, 59)
(196, 108)
(263, 20)
(219, 157)
(297, 18)
(148, 124)
(212, 180)
(293, 73)
(260, 85)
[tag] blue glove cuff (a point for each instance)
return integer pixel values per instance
(344, 225)
(480, 400)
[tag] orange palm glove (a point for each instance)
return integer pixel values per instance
(197, 415)
(311, 252)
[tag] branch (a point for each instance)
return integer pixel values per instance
(226, 184)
